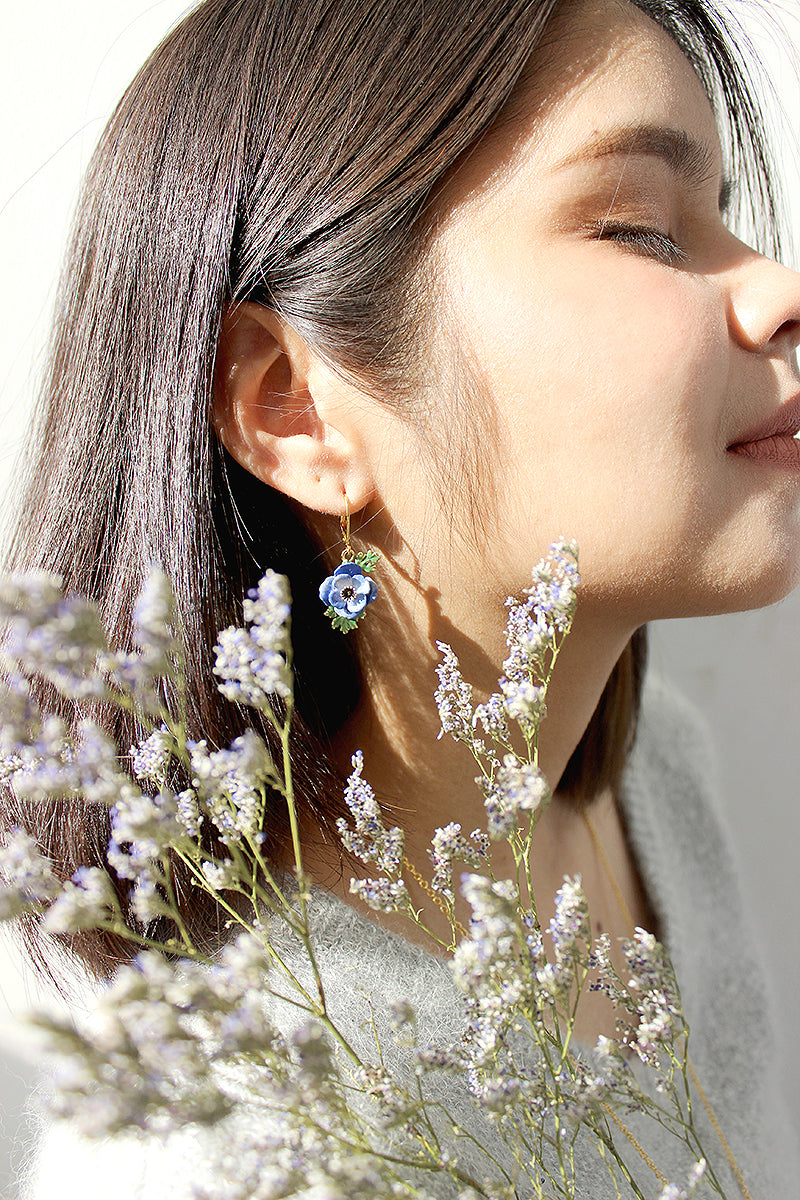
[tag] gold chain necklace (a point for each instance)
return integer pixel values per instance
(434, 896)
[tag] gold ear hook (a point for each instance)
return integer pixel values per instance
(344, 521)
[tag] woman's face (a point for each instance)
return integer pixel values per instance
(625, 339)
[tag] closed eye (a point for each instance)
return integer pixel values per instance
(641, 239)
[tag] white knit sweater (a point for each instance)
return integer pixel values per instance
(686, 866)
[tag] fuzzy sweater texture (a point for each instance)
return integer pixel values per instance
(683, 857)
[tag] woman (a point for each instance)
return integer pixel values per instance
(461, 274)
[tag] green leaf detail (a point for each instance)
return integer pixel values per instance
(343, 624)
(367, 560)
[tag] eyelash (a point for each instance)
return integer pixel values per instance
(643, 240)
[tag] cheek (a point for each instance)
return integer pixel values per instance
(612, 390)
(631, 367)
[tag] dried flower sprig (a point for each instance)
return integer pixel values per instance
(244, 1040)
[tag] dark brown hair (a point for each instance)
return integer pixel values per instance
(282, 153)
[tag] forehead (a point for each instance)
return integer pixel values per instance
(603, 66)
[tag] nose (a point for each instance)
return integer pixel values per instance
(764, 315)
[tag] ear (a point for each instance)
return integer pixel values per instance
(286, 416)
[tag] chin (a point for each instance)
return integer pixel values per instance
(759, 553)
(721, 583)
(757, 584)
(767, 593)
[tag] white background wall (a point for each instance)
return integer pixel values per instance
(63, 64)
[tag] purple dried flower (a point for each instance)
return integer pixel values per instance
(370, 841)
(255, 663)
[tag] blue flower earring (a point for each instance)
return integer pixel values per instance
(348, 591)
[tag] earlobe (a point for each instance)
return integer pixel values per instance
(278, 411)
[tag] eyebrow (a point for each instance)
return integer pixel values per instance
(684, 155)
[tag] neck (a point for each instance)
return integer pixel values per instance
(426, 781)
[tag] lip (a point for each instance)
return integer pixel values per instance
(781, 450)
(784, 423)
